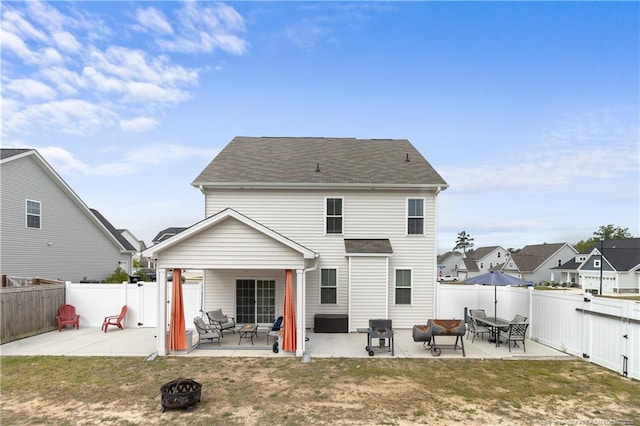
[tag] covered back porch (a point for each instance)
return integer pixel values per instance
(245, 268)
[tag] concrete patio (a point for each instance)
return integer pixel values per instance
(141, 342)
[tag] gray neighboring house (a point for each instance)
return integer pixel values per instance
(47, 231)
(619, 273)
(534, 262)
(448, 263)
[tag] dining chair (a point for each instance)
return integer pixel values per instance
(516, 333)
(475, 329)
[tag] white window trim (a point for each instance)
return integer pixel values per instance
(596, 263)
(326, 215)
(395, 286)
(337, 287)
(27, 214)
(424, 218)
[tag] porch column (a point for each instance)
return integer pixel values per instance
(300, 312)
(161, 333)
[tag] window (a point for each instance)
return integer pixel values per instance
(596, 263)
(33, 215)
(334, 215)
(415, 216)
(328, 287)
(403, 286)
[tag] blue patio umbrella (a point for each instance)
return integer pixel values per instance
(497, 278)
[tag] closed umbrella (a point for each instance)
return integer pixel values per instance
(497, 278)
(289, 336)
(177, 337)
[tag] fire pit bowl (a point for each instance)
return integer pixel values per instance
(180, 393)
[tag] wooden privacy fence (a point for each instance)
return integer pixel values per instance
(26, 311)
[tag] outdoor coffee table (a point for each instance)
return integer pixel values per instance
(248, 331)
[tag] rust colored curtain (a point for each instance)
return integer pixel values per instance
(289, 336)
(177, 337)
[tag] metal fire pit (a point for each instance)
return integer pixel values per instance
(180, 393)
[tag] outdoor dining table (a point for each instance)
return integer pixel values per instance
(248, 331)
(495, 323)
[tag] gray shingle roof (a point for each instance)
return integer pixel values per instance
(367, 246)
(480, 252)
(532, 257)
(285, 160)
(118, 236)
(10, 152)
(167, 233)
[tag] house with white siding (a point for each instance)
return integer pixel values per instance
(534, 262)
(480, 261)
(47, 231)
(355, 220)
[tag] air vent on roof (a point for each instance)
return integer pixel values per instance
(407, 159)
(317, 167)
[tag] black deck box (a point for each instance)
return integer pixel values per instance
(331, 323)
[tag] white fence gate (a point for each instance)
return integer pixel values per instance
(95, 301)
(601, 330)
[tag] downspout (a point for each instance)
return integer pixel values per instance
(303, 306)
(436, 307)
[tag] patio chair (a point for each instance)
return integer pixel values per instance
(519, 318)
(67, 315)
(475, 329)
(114, 319)
(516, 333)
(274, 330)
(206, 331)
(477, 313)
(221, 321)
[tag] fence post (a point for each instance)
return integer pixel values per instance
(67, 291)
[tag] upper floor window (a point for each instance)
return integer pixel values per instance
(33, 214)
(596, 263)
(328, 286)
(415, 216)
(334, 216)
(403, 286)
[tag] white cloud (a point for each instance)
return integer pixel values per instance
(16, 44)
(31, 89)
(66, 41)
(14, 23)
(204, 29)
(62, 160)
(66, 80)
(138, 124)
(73, 116)
(152, 19)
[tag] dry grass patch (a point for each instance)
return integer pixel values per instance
(91, 390)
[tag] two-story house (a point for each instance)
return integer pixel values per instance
(480, 261)
(448, 264)
(47, 230)
(354, 219)
(534, 262)
(613, 266)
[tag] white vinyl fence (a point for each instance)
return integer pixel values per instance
(93, 302)
(600, 330)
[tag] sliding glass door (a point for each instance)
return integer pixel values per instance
(255, 301)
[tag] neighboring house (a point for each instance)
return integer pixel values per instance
(534, 262)
(46, 229)
(166, 233)
(481, 260)
(618, 273)
(137, 244)
(354, 219)
(448, 263)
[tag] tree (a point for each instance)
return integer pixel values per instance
(464, 241)
(605, 232)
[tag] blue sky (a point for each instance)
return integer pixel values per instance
(529, 110)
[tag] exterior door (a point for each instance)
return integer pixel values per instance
(255, 301)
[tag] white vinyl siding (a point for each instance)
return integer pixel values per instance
(368, 287)
(231, 244)
(33, 214)
(299, 215)
(70, 245)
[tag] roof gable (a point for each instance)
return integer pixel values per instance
(219, 217)
(532, 257)
(319, 162)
